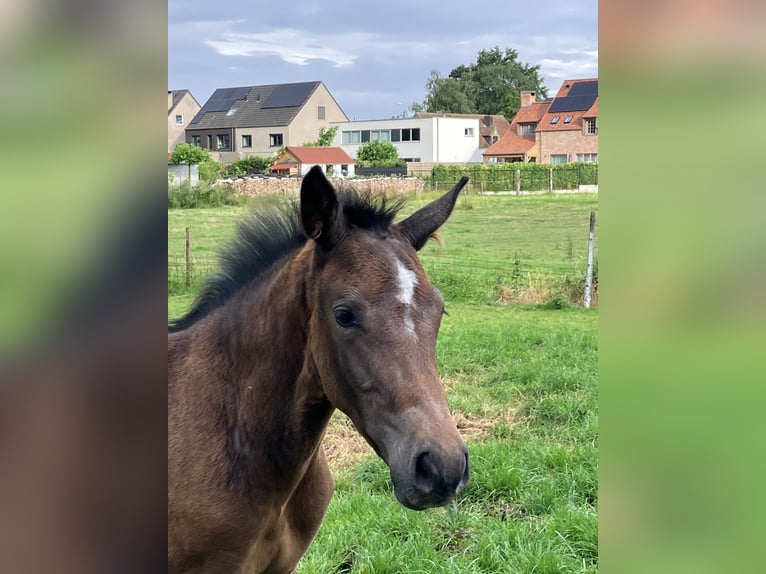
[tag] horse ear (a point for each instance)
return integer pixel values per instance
(419, 226)
(319, 208)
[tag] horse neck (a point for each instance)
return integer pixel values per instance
(264, 335)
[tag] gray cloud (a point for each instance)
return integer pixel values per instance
(371, 56)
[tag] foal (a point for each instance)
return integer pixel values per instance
(325, 307)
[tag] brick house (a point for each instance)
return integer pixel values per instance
(182, 107)
(562, 129)
(260, 120)
(298, 160)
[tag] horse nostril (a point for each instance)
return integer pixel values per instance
(426, 473)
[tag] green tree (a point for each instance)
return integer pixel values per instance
(326, 135)
(378, 154)
(185, 153)
(491, 85)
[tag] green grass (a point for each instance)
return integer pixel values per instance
(530, 375)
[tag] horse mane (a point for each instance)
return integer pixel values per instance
(267, 236)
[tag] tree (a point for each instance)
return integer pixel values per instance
(491, 85)
(378, 154)
(185, 153)
(326, 135)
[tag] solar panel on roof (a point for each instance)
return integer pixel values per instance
(288, 95)
(589, 88)
(572, 103)
(221, 100)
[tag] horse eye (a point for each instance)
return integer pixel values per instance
(344, 317)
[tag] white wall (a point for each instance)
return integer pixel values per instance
(441, 139)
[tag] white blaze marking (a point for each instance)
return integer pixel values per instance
(407, 283)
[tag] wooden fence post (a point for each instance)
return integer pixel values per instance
(589, 267)
(517, 177)
(550, 179)
(188, 260)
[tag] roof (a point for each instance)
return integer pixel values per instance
(510, 144)
(178, 95)
(577, 98)
(533, 113)
(254, 106)
(321, 155)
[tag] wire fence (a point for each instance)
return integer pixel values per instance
(460, 279)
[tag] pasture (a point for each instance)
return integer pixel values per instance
(522, 385)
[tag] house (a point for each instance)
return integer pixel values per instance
(260, 120)
(430, 139)
(298, 160)
(561, 129)
(491, 127)
(182, 107)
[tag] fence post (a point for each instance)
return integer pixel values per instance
(517, 177)
(188, 260)
(589, 267)
(550, 179)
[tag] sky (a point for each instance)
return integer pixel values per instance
(375, 58)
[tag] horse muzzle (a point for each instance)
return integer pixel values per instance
(432, 477)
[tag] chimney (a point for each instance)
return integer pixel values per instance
(527, 99)
(170, 100)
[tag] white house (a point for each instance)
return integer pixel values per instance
(431, 140)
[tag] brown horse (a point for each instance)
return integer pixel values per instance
(318, 308)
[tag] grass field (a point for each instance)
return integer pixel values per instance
(494, 247)
(522, 385)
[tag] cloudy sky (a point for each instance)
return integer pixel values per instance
(374, 57)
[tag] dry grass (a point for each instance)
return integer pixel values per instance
(541, 289)
(345, 448)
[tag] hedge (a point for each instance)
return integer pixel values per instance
(533, 176)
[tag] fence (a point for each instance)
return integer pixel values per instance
(462, 279)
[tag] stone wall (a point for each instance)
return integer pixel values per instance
(291, 185)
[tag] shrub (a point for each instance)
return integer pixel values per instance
(187, 196)
(252, 164)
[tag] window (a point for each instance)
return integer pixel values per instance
(558, 158)
(179, 119)
(396, 135)
(197, 140)
(555, 120)
(567, 119)
(468, 132)
(526, 129)
(209, 141)
(247, 141)
(592, 157)
(353, 137)
(590, 126)
(365, 136)
(222, 141)
(320, 112)
(231, 112)
(275, 140)
(411, 134)
(380, 135)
